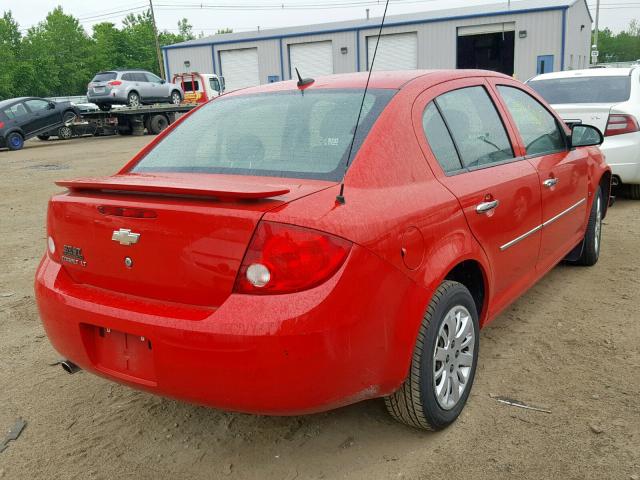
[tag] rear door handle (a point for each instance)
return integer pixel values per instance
(550, 182)
(485, 207)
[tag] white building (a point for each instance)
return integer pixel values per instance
(520, 38)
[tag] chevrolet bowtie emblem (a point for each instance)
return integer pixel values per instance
(124, 236)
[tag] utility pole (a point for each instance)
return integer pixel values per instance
(594, 51)
(155, 34)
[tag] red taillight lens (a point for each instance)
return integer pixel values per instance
(285, 258)
(126, 212)
(1, 124)
(619, 124)
(114, 83)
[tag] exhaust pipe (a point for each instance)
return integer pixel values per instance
(70, 367)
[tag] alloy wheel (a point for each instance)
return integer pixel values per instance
(453, 357)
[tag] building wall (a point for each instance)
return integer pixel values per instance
(437, 41)
(199, 57)
(578, 39)
(436, 44)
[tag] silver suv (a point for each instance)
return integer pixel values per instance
(131, 87)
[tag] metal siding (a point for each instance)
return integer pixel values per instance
(200, 58)
(436, 43)
(342, 63)
(578, 42)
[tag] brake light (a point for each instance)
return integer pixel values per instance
(114, 83)
(126, 212)
(1, 124)
(285, 258)
(619, 124)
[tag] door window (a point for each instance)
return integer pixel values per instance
(439, 139)
(37, 105)
(538, 128)
(152, 78)
(139, 77)
(16, 111)
(127, 77)
(476, 127)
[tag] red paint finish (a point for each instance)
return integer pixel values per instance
(355, 279)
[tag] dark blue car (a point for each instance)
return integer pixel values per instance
(26, 117)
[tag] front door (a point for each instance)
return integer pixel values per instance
(497, 190)
(562, 173)
(43, 116)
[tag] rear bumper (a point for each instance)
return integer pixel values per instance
(347, 340)
(622, 153)
(111, 96)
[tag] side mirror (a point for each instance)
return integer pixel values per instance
(585, 135)
(163, 81)
(51, 106)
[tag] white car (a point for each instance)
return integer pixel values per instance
(607, 98)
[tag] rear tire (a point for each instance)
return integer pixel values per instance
(633, 191)
(105, 107)
(133, 99)
(593, 235)
(444, 362)
(44, 138)
(15, 141)
(65, 133)
(157, 123)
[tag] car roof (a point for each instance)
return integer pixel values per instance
(383, 79)
(588, 72)
(11, 101)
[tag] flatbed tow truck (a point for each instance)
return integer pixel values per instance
(123, 121)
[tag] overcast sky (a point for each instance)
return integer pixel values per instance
(615, 14)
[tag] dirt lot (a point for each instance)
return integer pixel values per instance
(570, 345)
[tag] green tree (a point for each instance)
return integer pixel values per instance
(10, 45)
(59, 55)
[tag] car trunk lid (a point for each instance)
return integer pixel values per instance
(595, 114)
(171, 237)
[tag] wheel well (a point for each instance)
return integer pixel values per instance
(470, 274)
(133, 91)
(176, 90)
(605, 185)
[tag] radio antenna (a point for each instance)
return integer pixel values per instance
(340, 197)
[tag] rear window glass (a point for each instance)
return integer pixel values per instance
(104, 77)
(281, 134)
(609, 89)
(191, 86)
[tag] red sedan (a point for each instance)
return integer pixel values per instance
(223, 267)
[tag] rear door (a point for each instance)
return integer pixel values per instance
(563, 172)
(470, 150)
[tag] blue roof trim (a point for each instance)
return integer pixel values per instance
(368, 27)
(564, 38)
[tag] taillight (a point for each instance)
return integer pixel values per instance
(114, 83)
(1, 124)
(285, 258)
(619, 124)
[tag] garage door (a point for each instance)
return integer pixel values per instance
(240, 68)
(313, 59)
(395, 52)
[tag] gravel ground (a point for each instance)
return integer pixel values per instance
(569, 345)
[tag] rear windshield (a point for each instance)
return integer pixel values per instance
(104, 77)
(610, 89)
(281, 134)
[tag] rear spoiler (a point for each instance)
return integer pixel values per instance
(181, 185)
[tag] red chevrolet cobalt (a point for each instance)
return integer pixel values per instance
(257, 257)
